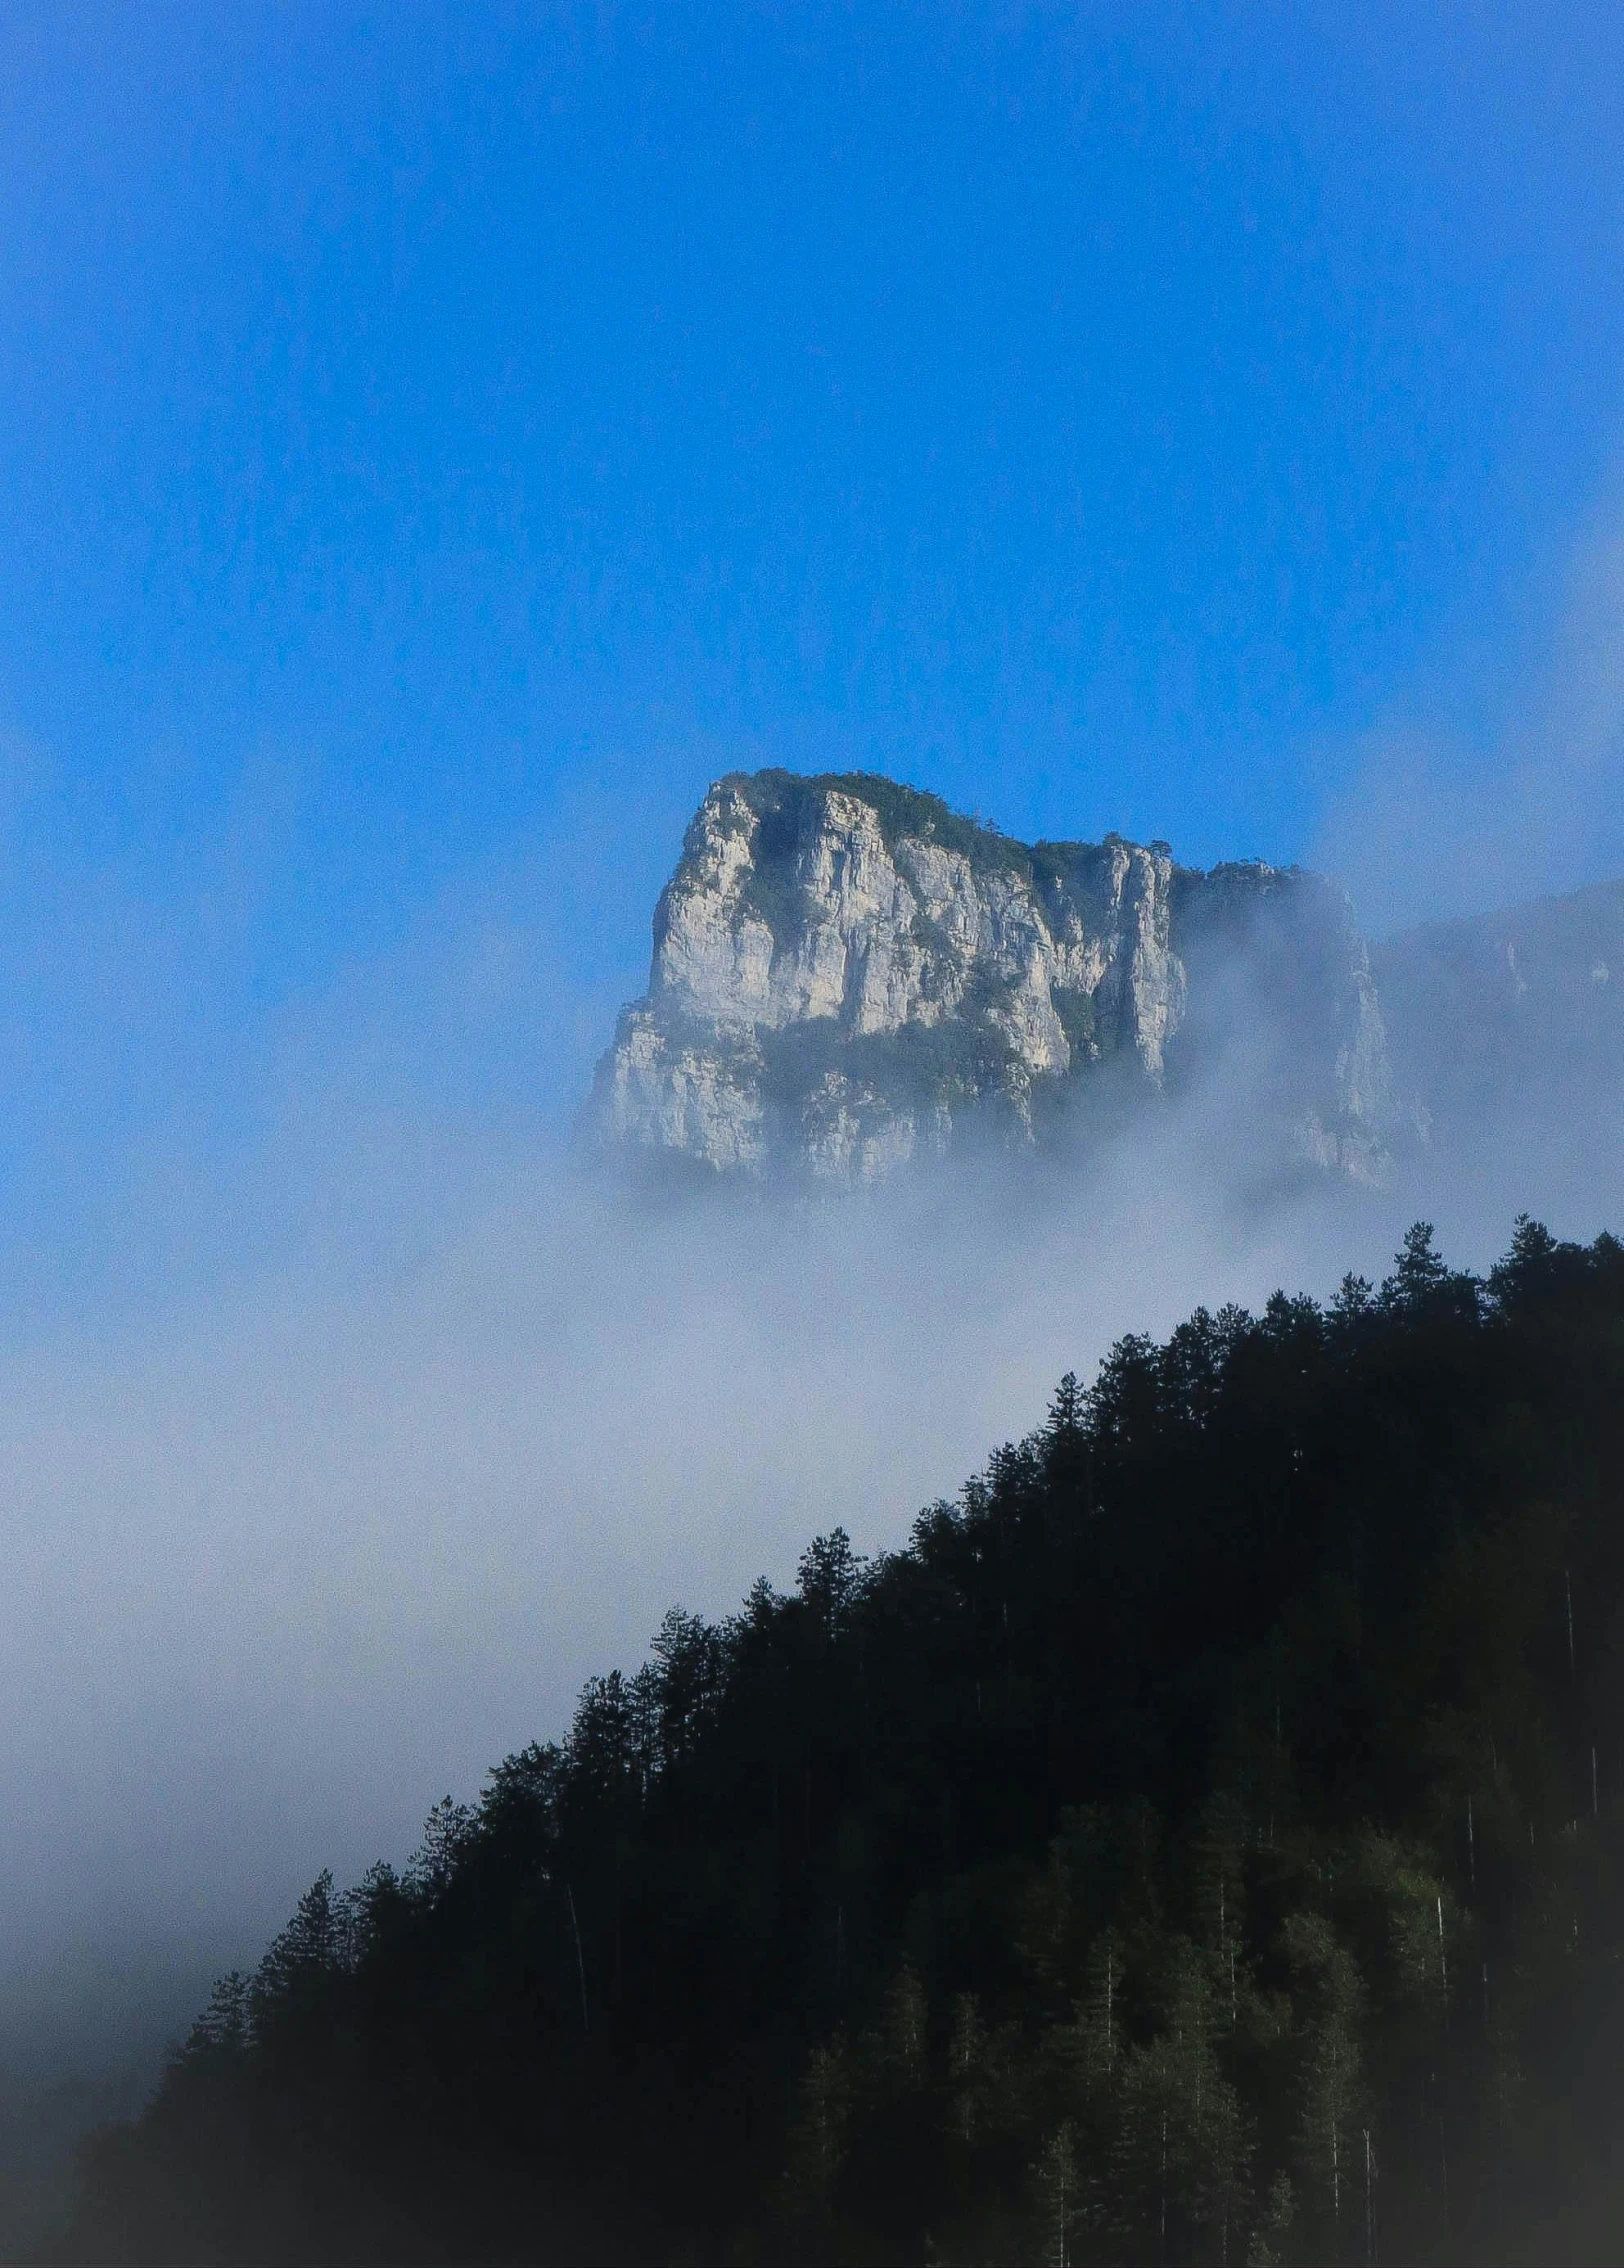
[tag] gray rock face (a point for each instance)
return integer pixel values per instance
(847, 975)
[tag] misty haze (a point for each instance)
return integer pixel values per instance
(814, 1000)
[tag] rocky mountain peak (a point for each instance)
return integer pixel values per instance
(847, 974)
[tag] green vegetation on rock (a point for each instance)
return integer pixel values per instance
(778, 798)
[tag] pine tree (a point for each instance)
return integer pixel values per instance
(904, 2032)
(968, 2076)
(1220, 1899)
(1334, 2109)
(1100, 2030)
(445, 1832)
(1271, 2231)
(226, 2026)
(830, 1580)
(818, 2144)
(1057, 2178)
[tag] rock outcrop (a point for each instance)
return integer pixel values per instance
(847, 975)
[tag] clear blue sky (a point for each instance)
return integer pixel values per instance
(431, 436)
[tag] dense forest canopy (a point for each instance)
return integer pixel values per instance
(1203, 1842)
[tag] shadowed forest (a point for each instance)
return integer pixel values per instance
(1204, 1842)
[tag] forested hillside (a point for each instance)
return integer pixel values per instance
(1203, 1842)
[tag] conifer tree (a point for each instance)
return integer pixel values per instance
(1057, 2180)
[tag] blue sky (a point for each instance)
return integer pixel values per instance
(435, 440)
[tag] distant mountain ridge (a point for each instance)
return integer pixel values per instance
(847, 976)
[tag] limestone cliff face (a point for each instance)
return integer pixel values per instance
(847, 975)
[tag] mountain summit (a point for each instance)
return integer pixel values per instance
(848, 975)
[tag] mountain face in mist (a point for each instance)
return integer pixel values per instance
(848, 976)
(1512, 1018)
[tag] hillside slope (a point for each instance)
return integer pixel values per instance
(1203, 1842)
